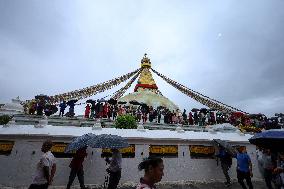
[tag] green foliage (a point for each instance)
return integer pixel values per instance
(125, 122)
(4, 119)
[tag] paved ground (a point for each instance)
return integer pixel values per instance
(189, 185)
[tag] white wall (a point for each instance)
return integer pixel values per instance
(18, 168)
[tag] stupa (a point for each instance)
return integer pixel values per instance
(146, 90)
(12, 108)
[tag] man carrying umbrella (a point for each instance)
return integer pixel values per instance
(226, 163)
(114, 169)
(76, 166)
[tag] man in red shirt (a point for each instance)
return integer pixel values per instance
(76, 166)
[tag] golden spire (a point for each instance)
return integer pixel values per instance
(146, 80)
(145, 62)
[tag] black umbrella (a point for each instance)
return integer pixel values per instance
(102, 100)
(112, 101)
(71, 102)
(195, 110)
(228, 148)
(161, 107)
(255, 116)
(134, 102)
(203, 110)
(42, 97)
(90, 101)
(272, 139)
(121, 102)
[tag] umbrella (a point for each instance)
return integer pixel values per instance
(108, 141)
(134, 102)
(194, 110)
(122, 102)
(79, 142)
(102, 100)
(255, 116)
(112, 101)
(230, 149)
(90, 101)
(71, 102)
(42, 97)
(272, 139)
(204, 110)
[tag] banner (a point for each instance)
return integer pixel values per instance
(128, 152)
(6, 147)
(167, 151)
(202, 152)
(58, 150)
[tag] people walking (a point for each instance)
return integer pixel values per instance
(244, 168)
(154, 171)
(76, 166)
(226, 163)
(114, 169)
(45, 169)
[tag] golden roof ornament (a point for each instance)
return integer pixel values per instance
(145, 62)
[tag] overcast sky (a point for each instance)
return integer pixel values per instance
(230, 50)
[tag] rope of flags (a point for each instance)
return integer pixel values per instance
(122, 91)
(209, 102)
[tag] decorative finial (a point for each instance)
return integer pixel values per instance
(145, 62)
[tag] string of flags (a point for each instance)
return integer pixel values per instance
(209, 102)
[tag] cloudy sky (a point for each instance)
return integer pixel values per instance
(230, 50)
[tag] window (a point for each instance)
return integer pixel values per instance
(58, 150)
(128, 152)
(202, 152)
(6, 147)
(164, 151)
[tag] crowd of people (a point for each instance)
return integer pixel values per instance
(143, 113)
(271, 166)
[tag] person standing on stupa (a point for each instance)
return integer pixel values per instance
(87, 111)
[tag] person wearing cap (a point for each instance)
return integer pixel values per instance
(244, 167)
(45, 169)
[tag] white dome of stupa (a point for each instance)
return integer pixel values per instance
(12, 108)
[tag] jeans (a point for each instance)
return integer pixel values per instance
(268, 178)
(114, 179)
(225, 168)
(80, 174)
(244, 175)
